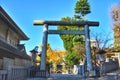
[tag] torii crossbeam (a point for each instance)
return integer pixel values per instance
(86, 25)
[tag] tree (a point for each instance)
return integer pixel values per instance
(79, 46)
(100, 44)
(68, 39)
(54, 56)
(38, 60)
(57, 56)
(72, 58)
(115, 13)
(102, 40)
(82, 8)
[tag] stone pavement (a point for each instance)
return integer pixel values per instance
(115, 75)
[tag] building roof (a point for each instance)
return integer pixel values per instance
(12, 24)
(9, 51)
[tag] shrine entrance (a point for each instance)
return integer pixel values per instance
(85, 32)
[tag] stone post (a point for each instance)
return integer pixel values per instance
(88, 52)
(44, 48)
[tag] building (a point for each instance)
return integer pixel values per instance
(93, 43)
(11, 51)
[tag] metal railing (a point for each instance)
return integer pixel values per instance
(38, 73)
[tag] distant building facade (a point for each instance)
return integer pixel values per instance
(93, 43)
(11, 51)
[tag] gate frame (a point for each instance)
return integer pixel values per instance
(65, 23)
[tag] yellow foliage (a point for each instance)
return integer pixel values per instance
(38, 60)
(54, 56)
(57, 56)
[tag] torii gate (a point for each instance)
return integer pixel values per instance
(65, 23)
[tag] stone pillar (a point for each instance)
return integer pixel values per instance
(44, 47)
(88, 52)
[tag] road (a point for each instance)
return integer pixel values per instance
(109, 76)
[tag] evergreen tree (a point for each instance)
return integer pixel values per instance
(68, 38)
(82, 8)
(71, 42)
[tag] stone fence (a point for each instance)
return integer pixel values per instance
(14, 73)
(3, 74)
(110, 65)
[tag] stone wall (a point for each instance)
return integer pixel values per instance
(26, 63)
(16, 68)
(110, 65)
(6, 62)
(18, 62)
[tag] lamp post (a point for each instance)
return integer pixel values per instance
(34, 55)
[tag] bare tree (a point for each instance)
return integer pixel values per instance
(102, 40)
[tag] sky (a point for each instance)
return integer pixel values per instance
(23, 12)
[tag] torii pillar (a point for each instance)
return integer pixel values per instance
(88, 49)
(44, 48)
(63, 23)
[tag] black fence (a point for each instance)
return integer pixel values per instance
(38, 73)
(35, 72)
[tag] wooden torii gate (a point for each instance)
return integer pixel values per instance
(64, 23)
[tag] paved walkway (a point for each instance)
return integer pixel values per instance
(109, 76)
